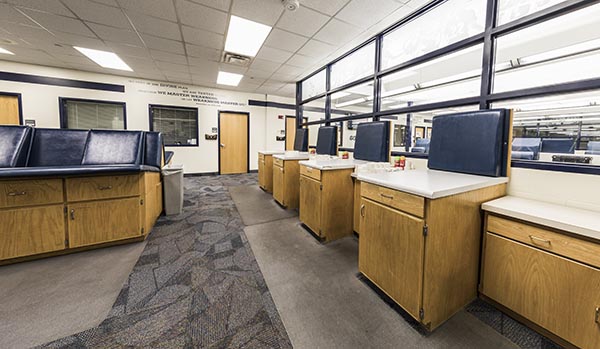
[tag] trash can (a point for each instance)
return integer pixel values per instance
(173, 189)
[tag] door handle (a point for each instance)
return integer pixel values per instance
(72, 215)
(598, 315)
(17, 193)
(362, 210)
(387, 196)
(540, 242)
(222, 145)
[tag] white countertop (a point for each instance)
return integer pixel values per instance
(429, 183)
(332, 164)
(292, 155)
(271, 152)
(573, 220)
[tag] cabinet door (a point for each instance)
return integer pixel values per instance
(556, 293)
(310, 204)
(390, 253)
(268, 176)
(29, 231)
(97, 222)
(357, 203)
(261, 173)
(278, 184)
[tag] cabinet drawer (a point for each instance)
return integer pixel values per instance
(30, 192)
(564, 245)
(105, 187)
(277, 162)
(310, 172)
(261, 156)
(408, 203)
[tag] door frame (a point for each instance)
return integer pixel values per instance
(304, 119)
(219, 136)
(19, 100)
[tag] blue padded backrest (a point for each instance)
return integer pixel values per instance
(423, 143)
(372, 141)
(530, 145)
(558, 145)
(14, 145)
(57, 147)
(154, 149)
(105, 147)
(593, 148)
(327, 140)
(473, 142)
(301, 140)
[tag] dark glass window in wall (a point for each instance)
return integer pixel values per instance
(357, 65)
(89, 114)
(354, 100)
(510, 10)
(178, 125)
(314, 85)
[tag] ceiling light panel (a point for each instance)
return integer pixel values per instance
(245, 37)
(5, 51)
(104, 59)
(229, 79)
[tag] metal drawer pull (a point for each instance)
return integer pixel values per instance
(308, 170)
(72, 215)
(108, 187)
(391, 197)
(362, 210)
(540, 242)
(598, 315)
(17, 193)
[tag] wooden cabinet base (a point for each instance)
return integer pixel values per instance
(265, 172)
(286, 183)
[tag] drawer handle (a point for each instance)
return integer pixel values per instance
(598, 315)
(362, 210)
(540, 242)
(72, 215)
(17, 193)
(108, 187)
(391, 197)
(308, 170)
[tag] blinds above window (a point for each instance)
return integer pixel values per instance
(179, 126)
(88, 115)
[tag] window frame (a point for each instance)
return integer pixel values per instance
(64, 117)
(151, 122)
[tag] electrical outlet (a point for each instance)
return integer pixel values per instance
(280, 138)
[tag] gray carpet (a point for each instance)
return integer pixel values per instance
(196, 285)
(256, 206)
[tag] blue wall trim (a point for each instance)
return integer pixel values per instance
(559, 167)
(253, 102)
(410, 155)
(45, 80)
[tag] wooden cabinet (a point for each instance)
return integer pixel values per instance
(286, 183)
(423, 253)
(549, 279)
(265, 172)
(102, 187)
(356, 204)
(30, 192)
(326, 201)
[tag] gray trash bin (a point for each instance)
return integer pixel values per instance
(173, 189)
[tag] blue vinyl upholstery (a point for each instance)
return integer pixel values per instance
(49, 171)
(372, 141)
(153, 154)
(558, 145)
(57, 147)
(105, 147)
(301, 140)
(526, 148)
(593, 148)
(14, 145)
(421, 146)
(327, 140)
(168, 157)
(471, 142)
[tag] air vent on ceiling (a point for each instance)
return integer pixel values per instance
(236, 59)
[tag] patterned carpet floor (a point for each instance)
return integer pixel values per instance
(196, 284)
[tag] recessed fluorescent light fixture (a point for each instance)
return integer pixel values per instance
(245, 37)
(5, 51)
(229, 79)
(104, 59)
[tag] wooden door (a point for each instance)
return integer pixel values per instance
(310, 204)
(390, 253)
(290, 132)
(556, 293)
(103, 221)
(233, 138)
(9, 110)
(278, 184)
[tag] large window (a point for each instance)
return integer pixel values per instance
(354, 100)
(509, 10)
(178, 125)
(357, 65)
(314, 85)
(90, 114)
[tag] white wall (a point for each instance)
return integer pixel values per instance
(40, 102)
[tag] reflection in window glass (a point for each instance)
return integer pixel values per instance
(509, 10)
(352, 101)
(560, 50)
(357, 65)
(560, 128)
(446, 24)
(349, 134)
(453, 76)
(314, 111)
(313, 85)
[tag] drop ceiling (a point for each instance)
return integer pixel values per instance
(182, 40)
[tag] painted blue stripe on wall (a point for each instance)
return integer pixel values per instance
(45, 80)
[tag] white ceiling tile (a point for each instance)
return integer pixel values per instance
(303, 21)
(222, 5)
(154, 26)
(78, 59)
(203, 53)
(365, 13)
(285, 40)
(123, 36)
(94, 12)
(316, 49)
(261, 11)
(157, 8)
(232, 68)
(163, 44)
(128, 50)
(27, 32)
(50, 6)
(284, 77)
(10, 15)
(172, 67)
(337, 32)
(289, 90)
(329, 7)
(207, 71)
(301, 61)
(203, 38)
(107, 2)
(261, 64)
(202, 17)
(177, 74)
(258, 74)
(168, 57)
(60, 23)
(273, 54)
(290, 70)
(78, 40)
